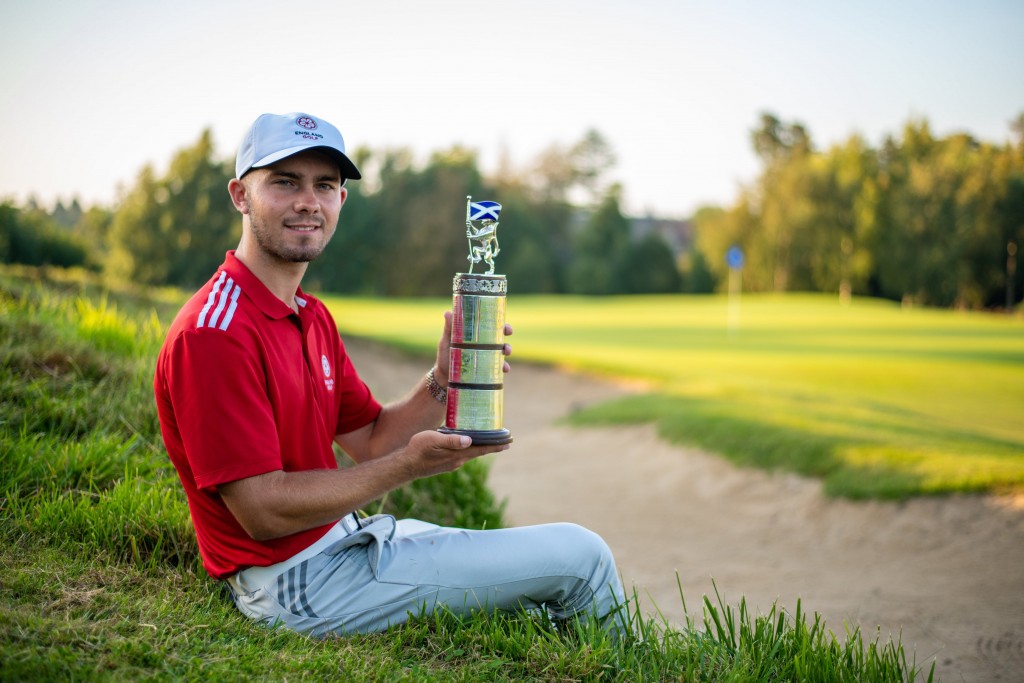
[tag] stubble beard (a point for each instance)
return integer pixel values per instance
(276, 248)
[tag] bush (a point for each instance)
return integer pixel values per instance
(32, 238)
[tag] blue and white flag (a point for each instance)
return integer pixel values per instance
(481, 211)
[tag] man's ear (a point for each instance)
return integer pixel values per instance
(344, 196)
(239, 195)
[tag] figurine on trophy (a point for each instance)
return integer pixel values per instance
(487, 234)
(475, 402)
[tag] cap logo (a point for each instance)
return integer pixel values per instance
(306, 122)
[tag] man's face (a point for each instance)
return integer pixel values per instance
(293, 205)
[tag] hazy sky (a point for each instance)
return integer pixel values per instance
(91, 90)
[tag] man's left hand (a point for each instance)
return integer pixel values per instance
(444, 351)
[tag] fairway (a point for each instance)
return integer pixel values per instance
(875, 399)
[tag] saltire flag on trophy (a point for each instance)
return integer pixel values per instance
(480, 211)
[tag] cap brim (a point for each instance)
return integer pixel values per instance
(345, 165)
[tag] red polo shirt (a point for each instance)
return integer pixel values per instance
(245, 386)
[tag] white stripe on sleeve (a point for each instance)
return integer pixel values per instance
(221, 302)
(211, 299)
(231, 309)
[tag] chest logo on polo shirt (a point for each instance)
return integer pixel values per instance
(328, 380)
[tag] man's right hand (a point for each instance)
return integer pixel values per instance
(432, 452)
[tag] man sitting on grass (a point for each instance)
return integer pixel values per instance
(253, 386)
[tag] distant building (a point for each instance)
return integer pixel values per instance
(678, 234)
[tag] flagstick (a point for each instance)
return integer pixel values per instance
(734, 300)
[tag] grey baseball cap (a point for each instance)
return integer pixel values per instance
(273, 137)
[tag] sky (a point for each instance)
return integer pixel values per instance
(93, 90)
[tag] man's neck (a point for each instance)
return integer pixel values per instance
(280, 277)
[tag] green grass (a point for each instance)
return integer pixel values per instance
(876, 400)
(89, 616)
(100, 576)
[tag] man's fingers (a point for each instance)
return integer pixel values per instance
(457, 442)
(461, 442)
(506, 350)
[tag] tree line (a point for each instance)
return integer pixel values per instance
(925, 219)
(921, 219)
(401, 233)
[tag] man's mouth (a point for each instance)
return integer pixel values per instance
(302, 227)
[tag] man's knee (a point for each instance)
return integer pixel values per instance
(580, 542)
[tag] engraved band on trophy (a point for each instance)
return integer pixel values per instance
(475, 405)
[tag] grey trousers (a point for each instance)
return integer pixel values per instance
(360, 580)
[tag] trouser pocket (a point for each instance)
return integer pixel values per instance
(375, 532)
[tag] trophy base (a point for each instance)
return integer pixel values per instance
(490, 437)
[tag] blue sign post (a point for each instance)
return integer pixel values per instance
(734, 259)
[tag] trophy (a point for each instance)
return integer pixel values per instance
(475, 379)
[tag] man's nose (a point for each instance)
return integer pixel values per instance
(307, 201)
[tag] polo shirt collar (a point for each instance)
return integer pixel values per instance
(257, 292)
